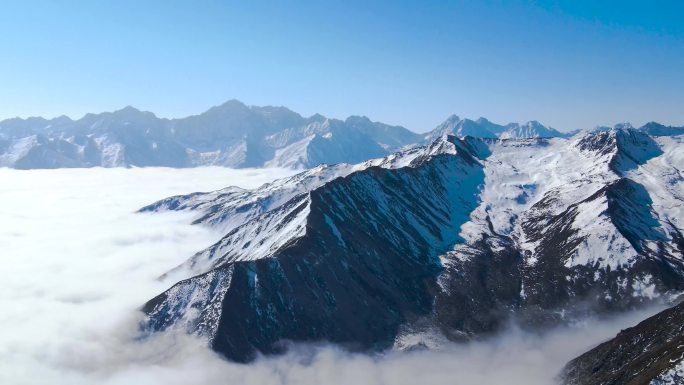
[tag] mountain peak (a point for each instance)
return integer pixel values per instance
(624, 126)
(229, 106)
(130, 112)
(453, 118)
(483, 128)
(62, 119)
(317, 118)
(128, 108)
(657, 129)
(358, 119)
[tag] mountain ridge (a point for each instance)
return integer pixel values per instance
(232, 135)
(468, 234)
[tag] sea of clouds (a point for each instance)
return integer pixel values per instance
(77, 262)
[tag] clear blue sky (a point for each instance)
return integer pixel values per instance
(570, 64)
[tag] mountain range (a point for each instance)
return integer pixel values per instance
(396, 240)
(231, 135)
(454, 239)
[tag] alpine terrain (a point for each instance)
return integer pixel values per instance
(452, 239)
(231, 135)
(650, 353)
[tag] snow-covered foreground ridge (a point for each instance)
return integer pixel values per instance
(455, 239)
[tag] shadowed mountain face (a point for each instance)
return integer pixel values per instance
(353, 275)
(456, 238)
(648, 353)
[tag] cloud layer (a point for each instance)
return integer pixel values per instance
(76, 263)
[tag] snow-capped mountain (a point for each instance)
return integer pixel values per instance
(657, 129)
(232, 135)
(650, 353)
(454, 238)
(483, 128)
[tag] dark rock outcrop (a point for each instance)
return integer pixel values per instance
(648, 353)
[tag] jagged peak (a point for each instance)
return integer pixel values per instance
(471, 149)
(444, 144)
(317, 118)
(453, 117)
(17, 119)
(232, 103)
(61, 119)
(127, 109)
(625, 146)
(485, 128)
(623, 126)
(130, 112)
(451, 120)
(230, 106)
(534, 123)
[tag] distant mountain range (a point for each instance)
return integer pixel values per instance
(483, 128)
(454, 239)
(231, 135)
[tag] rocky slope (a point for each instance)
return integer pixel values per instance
(456, 238)
(650, 353)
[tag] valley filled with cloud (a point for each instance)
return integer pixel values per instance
(78, 262)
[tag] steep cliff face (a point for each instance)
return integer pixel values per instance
(360, 259)
(649, 353)
(458, 237)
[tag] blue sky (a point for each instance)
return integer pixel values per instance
(569, 64)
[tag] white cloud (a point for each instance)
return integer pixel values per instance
(76, 263)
